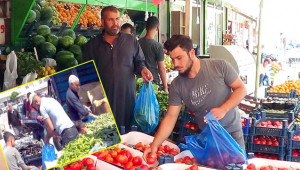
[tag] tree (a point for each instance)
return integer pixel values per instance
(14, 95)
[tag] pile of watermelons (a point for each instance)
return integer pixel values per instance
(66, 49)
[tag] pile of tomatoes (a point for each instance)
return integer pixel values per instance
(85, 164)
(251, 166)
(163, 149)
(186, 160)
(269, 124)
(121, 157)
(266, 140)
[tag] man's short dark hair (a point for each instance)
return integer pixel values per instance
(108, 8)
(7, 136)
(152, 22)
(127, 25)
(178, 40)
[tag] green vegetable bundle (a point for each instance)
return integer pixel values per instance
(27, 63)
(99, 130)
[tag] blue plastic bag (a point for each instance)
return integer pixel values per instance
(146, 109)
(48, 154)
(214, 146)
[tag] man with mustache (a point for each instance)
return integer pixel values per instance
(118, 57)
(201, 85)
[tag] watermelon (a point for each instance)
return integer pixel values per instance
(43, 30)
(66, 41)
(37, 40)
(31, 17)
(47, 50)
(65, 59)
(76, 50)
(79, 59)
(46, 13)
(53, 39)
(36, 7)
(69, 32)
(38, 14)
(80, 40)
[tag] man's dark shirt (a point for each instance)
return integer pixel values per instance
(117, 65)
(14, 118)
(76, 109)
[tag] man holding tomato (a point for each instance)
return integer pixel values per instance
(201, 85)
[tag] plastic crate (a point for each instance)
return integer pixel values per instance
(254, 130)
(293, 130)
(293, 158)
(28, 159)
(288, 114)
(268, 149)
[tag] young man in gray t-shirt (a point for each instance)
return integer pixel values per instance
(201, 85)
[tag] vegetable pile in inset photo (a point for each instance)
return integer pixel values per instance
(102, 133)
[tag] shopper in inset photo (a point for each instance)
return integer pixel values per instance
(14, 120)
(118, 57)
(154, 53)
(202, 85)
(55, 119)
(77, 111)
(12, 155)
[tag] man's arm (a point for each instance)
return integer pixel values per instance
(50, 129)
(162, 73)
(78, 106)
(20, 161)
(165, 129)
(239, 92)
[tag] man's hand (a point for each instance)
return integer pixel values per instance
(94, 116)
(152, 150)
(26, 117)
(146, 74)
(40, 118)
(86, 108)
(218, 112)
(22, 123)
(10, 126)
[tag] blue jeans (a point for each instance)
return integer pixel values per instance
(263, 78)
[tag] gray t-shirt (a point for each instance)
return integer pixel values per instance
(13, 158)
(51, 108)
(209, 89)
(153, 52)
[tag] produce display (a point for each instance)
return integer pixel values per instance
(100, 130)
(168, 63)
(162, 149)
(270, 124)
(266, 140)
(186, 160)
(286, 87)
(84, 164)
(251, 166)
(121, 157)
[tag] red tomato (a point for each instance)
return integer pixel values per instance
(117, 149)
(138, 145)
(251, 166)
(275, 143)
(128, 165)
(88, 161)
(102, 154)
(159, 153)
(173, 152)
(160, 148)
(113, 153)
(150, 160)
(187, 125)
(76, 165)
(194, 167)
(263, 168)
(137, 160)
(127, 154)
(122, 159)
(108, 158)
(144, 166)
(91, 168)
(167, 148)
(67, 167)
(152, 155)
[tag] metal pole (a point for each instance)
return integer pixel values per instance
(258, 49)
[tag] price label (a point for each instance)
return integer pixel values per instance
(2, 31)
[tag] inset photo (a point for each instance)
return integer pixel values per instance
(56, 120)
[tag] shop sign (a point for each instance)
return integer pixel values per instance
(2, 31)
